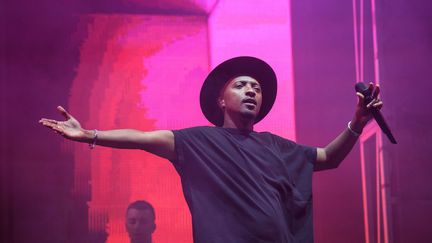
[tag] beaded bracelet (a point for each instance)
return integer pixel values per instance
(93, 143)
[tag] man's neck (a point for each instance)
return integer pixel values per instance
(240, 124)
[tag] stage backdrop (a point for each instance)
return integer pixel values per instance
(145, 72)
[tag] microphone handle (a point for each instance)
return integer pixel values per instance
(383, 125)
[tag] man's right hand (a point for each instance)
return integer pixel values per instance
(70, 128)
(160, 142)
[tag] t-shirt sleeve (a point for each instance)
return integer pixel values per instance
(186, 141)
(179, 138)
(299, 161)
(309, 152)
(292, 149)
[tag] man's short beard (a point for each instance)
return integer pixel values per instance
(248, 115)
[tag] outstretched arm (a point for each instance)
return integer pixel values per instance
(160, 143)
(336, 151)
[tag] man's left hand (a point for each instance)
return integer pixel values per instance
(363, 112)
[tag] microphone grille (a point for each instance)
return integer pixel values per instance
(362, 88)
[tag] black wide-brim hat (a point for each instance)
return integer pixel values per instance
(226, 71)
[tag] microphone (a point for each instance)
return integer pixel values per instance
(364, 90)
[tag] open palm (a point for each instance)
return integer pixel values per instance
(70, 128)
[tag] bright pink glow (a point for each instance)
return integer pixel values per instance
(263, 30)
(173, 83)
(145, 72)
(381, 203)
(141, 72)
(361, 40)
(370, 130)
(356, 47)
(203, 6)
(364, 193)
(375, 45)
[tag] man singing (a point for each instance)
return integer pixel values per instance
(241, 186)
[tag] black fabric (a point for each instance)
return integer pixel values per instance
(245, 186)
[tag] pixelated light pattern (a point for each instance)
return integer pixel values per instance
(189, 6)
(137, 72)
(145, 72)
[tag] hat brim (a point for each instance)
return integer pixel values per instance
(224, 72)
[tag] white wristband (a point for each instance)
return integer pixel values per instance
(352, 131)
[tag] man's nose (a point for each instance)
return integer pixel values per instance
(250, 91)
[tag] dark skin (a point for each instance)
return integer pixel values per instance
(240, 100)
(160, 142)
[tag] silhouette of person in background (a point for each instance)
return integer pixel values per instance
(140, 222)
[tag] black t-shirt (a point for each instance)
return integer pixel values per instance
(245, 187)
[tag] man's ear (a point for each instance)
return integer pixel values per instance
(221, 103)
